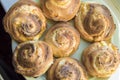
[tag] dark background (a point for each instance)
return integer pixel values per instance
(6, 51)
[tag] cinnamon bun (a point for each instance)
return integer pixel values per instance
(24, 21)
(66, 69)
(101, 59)
(60, 10)
(94, 22)
(32, 58)
(63, 38)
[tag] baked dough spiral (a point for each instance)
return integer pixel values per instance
(66, 69)
(94, 22)
(60, 10)
(101, 59)
(63, 38)
(24, 21)
(32, 58)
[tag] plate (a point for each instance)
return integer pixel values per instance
(113, 6)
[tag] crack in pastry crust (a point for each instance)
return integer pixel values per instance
(94, 22)
(24, 21)
(32, 58)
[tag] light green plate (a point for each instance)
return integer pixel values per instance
(114, 7)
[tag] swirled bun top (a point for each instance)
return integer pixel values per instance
(94, 22)
(63, 38)
(32, 58)
(66, 69)
(60, 10)
(24, 21)
(101, 59)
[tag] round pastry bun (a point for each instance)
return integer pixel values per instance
(32, 58)
(60, 10)
(94, 22)
(24, 21)
(66, 69)
(63, 38)
(101, 59)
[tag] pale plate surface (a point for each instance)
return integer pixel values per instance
(114, 7)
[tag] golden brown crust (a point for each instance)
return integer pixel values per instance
(101, 59)
(66, 69)
(60, 10)
(63, 38)
(94, 22)
(32, 58)
(24, 21)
